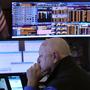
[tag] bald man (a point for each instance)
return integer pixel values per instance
(55, 60)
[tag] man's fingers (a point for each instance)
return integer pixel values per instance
(30, 69)
(34, 69)
(37, 66)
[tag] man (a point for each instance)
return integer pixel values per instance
(55, 60)
(3, 27)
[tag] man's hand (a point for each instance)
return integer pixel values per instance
(34, 75)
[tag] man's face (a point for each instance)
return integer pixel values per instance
(45, 59)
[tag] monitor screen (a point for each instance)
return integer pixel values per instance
(18, 56)
(3, 85)
(15, 83)
(50, 19)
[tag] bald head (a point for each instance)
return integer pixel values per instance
(51, 52)
(56, 45)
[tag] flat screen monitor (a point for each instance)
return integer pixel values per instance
(15, 83)
(50, 19)
(3, 85)
(18, 56)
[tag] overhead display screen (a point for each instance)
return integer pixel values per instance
(50, 19)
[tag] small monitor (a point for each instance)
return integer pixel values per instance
(50, 19)
(3, 85)
(15, 83)
(18, 56)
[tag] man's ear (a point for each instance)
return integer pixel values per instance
(55, 57)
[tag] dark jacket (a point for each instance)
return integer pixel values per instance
(69, 76)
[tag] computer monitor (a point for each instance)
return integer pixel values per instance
(15, 82)
(18, 56)
(50, 19)
(3, 85)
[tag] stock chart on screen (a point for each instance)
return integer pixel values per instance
(50, 19)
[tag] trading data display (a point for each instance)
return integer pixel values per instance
(15, 83)
(50, 19)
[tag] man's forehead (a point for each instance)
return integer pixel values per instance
(43, 46)
(45, 43)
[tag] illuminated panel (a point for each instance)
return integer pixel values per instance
(15, 82)
(9, 46)
(3, 84)
(31, 57)
(33, 45)
(31, 52)
(49, 19)
(9, 54)
(7, 62)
